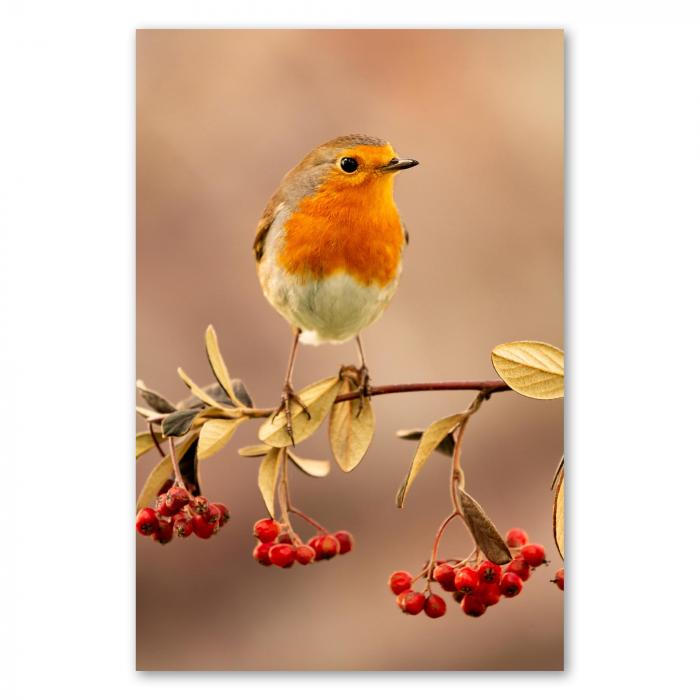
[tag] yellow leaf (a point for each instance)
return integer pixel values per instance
(144, 442)
(215, 434)
(318, 397)
(312, 467)
(267, 478)
(433, 435)
(485, 534)
(254, 450)
(218, 366)
(350, 434)
(531, 368)
(161, 473)
(558, 514)
(197, 391)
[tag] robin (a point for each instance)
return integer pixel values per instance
(329, 246)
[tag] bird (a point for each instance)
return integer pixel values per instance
(329, 247)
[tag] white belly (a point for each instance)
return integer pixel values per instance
(331, 310)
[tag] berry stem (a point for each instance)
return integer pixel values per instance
(176, 464)
(308, 519)
(436, 543)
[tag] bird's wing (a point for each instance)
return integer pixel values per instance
(266, 221)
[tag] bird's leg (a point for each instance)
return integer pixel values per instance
(289, 397)
(363, 378)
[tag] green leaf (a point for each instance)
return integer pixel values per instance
(241, 393)
(157, 402)
(531, 368)
(215, 434)
(485, 534)
(212, 390)
(179, 423)
(349, 429)
(313, 467)
(267, 478)
(319, 398)
(434, 434)
(161, 473)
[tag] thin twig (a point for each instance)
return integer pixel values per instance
(155, 441)
(176, 464)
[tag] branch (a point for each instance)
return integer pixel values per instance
(487, 387)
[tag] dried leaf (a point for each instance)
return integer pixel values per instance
(531, 368)
(218, 366)
(319, 398)
(254, 450)
(212, 390)
(146, 413)
(241, 393)
(434, 434)
(197, 391)
(313, 467)
(161, 473)
(446, 446)
(215, 434)
(557, 472)
(485, 534)
(179, 423)
(558, 514)
(350, 434)
(267, 478)
(157, 402)
(144, 442)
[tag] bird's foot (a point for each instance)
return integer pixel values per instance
(364, 387)
(289, 397)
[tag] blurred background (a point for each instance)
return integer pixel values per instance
(221, 116)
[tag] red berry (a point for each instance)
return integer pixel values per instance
(328, 547)
(261, 553)
(400, 581)
(516, 537)
(533, 554)
(435, 606)
(182, 524)
(176, 498)
(412, 603)
(224, 513)
(163, 507)
(164, 533)
(559, 579)
(202, 527)
(444, 574)
(305, 554)
(285, 538)
(489, 572)
(473, 606)
(282, 555)
(200, 505)
(458, 596)
(489, 593)
(345, 541)
(467, 581)
(212, 514)
(315, 544)
(401, 598)
(511, 585)
(520, 568)
(146, 521)
(266, 530)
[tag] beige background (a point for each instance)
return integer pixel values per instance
(221, 115)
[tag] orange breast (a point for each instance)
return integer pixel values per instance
(345, 229)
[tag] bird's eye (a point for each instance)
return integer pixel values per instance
(348, 165)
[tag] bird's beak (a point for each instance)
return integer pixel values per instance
(398, 164)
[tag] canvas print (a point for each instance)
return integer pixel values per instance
(350, 367)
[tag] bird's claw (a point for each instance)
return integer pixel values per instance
(364, 387)
(289, 397)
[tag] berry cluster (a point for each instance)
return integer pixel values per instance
(475, 584)
(177, 512)
(280, 546)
